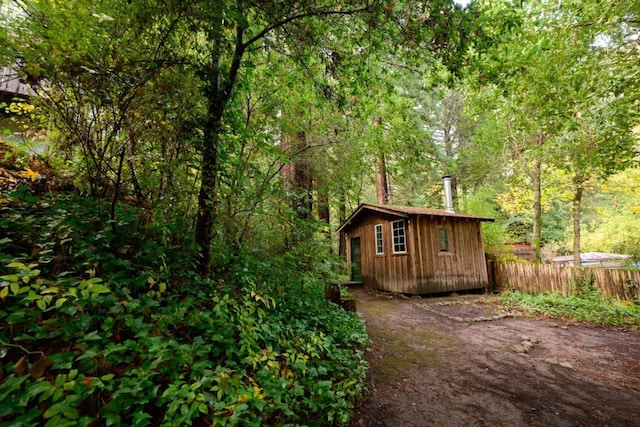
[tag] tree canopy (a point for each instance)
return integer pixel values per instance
(200, 158)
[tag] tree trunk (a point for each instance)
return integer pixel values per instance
(324, 212)
(216, 99)
(535, 175)
(577, 200)
(342, 217)
(382, 186)
(302, 180)
(137, 189)
(218, 90)
(116, 191)
(297, 175)
(206, 195)
(323, 205)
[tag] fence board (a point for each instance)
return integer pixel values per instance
(539, 278)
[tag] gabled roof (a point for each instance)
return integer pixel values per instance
(406, 212)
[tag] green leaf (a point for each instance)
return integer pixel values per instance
(60, 379)
(71, 413)
(99, 289)
(41, 304)
(37, 388)
(54, 410)
(15, 288)
(19, 265)
(90, 282)
(10, 385)
(92, 336)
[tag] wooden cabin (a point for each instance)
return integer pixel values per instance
(414, 250)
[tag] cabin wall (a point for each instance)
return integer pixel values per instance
(423, 269)
(389, 272)
(463, 267)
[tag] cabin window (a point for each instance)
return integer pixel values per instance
(379, 241)
(443, 239)
(399, 237)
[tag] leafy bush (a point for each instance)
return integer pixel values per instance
(111, 328)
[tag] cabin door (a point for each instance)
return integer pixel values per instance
(356, 260)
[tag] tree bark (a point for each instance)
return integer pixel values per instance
(206, 195)
(342, 217)
(382, 185)
(297, 175)
(302, 180)
(116, 191)
(323, 205)
(218, 91)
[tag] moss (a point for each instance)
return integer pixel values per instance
(398, 351)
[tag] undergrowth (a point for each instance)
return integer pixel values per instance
(106, 325)
(588, 306)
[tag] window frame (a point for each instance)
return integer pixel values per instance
(378, 235)
(446, 240)
(395, 238)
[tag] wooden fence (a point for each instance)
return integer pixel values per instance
(538, 278)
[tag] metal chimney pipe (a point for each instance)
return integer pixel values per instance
(448, 198)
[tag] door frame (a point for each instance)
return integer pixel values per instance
(356, 275)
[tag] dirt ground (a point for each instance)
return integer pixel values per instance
(464, 361)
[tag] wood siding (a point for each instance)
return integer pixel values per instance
(463, 267)
(423, 269)
(388, 271)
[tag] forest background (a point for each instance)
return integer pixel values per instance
(206, 153)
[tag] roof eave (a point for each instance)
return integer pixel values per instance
(400, 214)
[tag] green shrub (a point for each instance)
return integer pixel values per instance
(114, 329)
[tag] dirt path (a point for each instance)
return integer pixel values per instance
(459, 361)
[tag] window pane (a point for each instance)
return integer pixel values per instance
(443, 239)
(399, 238)
(379, 243)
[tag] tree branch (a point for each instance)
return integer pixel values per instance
(301, 15)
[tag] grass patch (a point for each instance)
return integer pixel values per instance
(591, 307)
